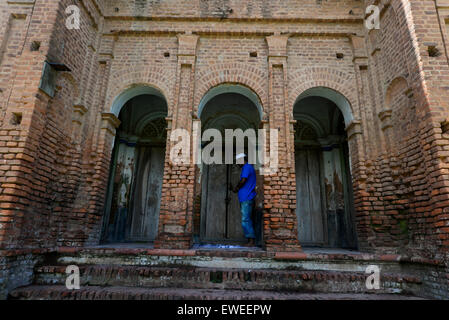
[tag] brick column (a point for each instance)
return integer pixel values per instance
(387, 127)
(176, 214)
(105, 59)
(359, 132)
(365, 107)
(376, 77)
(104, 130)
(280, 222)
(100, 172)
(362, 202)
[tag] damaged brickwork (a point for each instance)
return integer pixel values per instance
(390, 84)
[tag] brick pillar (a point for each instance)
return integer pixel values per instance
(280, 223)
(387, 127)
(365, 107)
(176, 214)
(359, 180)
(105, 59)
(377, 92)
(359, 133)
(104, 126)
(100, 172)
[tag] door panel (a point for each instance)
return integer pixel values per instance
(309, 197)
(235, 231)
(214, 206)
(147, 194)
(215, 189)
(316, 210)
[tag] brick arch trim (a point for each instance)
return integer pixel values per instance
(126, 79)
(232, 73)
(341, 82)
(231, 88)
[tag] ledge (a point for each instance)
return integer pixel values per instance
(258, 254)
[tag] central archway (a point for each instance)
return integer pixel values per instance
(218, 219)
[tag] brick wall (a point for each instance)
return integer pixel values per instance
(405, 185)
(16, 269)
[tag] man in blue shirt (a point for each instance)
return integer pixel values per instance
(246, 190)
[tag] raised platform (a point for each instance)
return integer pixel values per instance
(140, 272)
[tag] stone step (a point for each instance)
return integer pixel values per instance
(55, 292)
(250, 259)
(189, 277)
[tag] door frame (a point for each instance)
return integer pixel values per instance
(349, 196)
(105, 234)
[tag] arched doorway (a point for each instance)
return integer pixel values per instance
(325, 209)
(137, 167)
(225, 107)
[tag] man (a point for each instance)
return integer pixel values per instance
(246, 190)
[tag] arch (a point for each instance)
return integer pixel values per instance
(123, 79)
(336, 97)
(397, 85)
(241, 122)
(231, 88)
(337, 85)
(232, 73)
(335, 122)
(132, 92)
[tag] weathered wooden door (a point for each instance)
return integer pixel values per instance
(147, 191)
(220, 208)
(235, 231)
(309, 210)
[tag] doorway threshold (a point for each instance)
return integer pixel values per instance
(197, 246)
(324, 250)
(126, 245)
(216, 246)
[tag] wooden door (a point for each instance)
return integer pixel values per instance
(309, 209)
(147, 192)
(213, 203)
(235, 231)
(220, 208)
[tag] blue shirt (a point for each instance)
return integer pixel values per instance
(248, 191)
